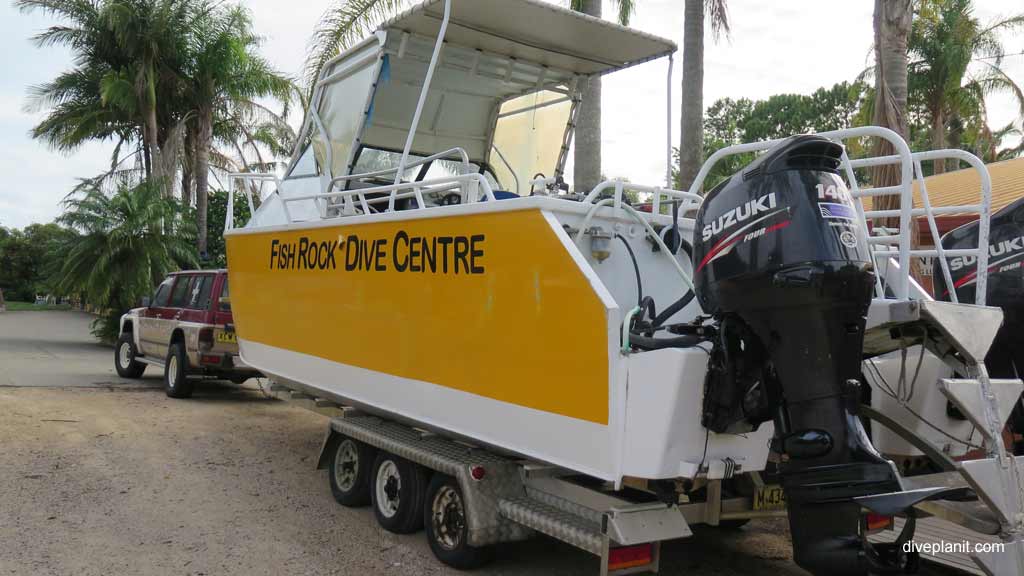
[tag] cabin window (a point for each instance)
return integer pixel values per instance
(342, 111)
(529, 135)
(375, 160)
(306, 166)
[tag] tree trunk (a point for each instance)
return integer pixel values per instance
(938, 138)
(156, 158)
(587, 155)
(204, 138)
(147, 161)
(892, 30)
(188, 165)
(691, 138)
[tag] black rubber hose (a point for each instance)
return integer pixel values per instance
(673, 308)
(647, 343)
(636, 269)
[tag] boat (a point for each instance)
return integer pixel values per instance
(423, 260)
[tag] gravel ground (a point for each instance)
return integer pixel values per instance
(100, 475)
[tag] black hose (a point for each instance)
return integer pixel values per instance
(673, 308)
(636, 269)
(647, 343)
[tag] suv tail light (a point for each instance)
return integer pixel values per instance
(206, 339)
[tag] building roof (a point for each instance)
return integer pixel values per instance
(537, 32)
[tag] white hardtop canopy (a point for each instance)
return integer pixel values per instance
(537, 32)
(495, 83)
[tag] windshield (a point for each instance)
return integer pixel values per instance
(374, 160)
(528, 138)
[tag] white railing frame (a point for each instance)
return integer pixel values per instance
(983, 209)
(906, 212)
(620, 186)
(466, 169)
(469, 184)
(244, 177)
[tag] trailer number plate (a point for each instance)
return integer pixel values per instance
(227, 337)
(769, 497)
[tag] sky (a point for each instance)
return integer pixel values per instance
(795, 46)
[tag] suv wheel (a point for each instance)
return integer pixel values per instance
(176, 382)
(124, 358)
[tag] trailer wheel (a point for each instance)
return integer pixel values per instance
(445, 523)
(397, 493)
(349, 471)
(735, 524)
(176, 382)
(124, 358)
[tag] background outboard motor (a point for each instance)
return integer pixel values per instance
(1005, 358)
(779, 255)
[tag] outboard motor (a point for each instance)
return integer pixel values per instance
(782, 265)
(1005, 358)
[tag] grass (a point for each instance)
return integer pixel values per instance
(30, 307)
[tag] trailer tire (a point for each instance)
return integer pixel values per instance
(397, 492)
(176, 382)
(444, 521)
(349, 470)
(734, 524)
(124, 358)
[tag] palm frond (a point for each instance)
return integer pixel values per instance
(718, 13)
(343, 24)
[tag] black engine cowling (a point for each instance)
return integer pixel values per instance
(779, 250)
(1005, 358)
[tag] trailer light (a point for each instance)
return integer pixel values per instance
(876, 522)
(477, 472)
(630, 556)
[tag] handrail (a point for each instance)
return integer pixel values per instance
(620, 187)
(385, 171)
(983, 209)
(229, 218)
(469, 182)
(439, 156)
(908, 167)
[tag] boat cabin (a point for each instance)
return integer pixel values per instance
(473, 99)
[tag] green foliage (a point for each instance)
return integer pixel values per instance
(344, 23)
(728, 122)
(29, 259)
(33, 307)
(217, 254)
(955, 63)
(624, 13)
(129, 241)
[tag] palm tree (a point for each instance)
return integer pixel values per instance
(223, 76)
(77, 110)
(955, 62)
(691, 143)
(152, 35)
(123, 250)
(587, 154)
(125, 53)
(892, 29)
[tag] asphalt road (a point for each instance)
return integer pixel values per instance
(100, 475)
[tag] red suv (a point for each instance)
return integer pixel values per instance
(186, 329)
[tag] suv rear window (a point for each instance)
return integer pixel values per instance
(179, 297)
(199, 295)
(163, 293)
(225, 306)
